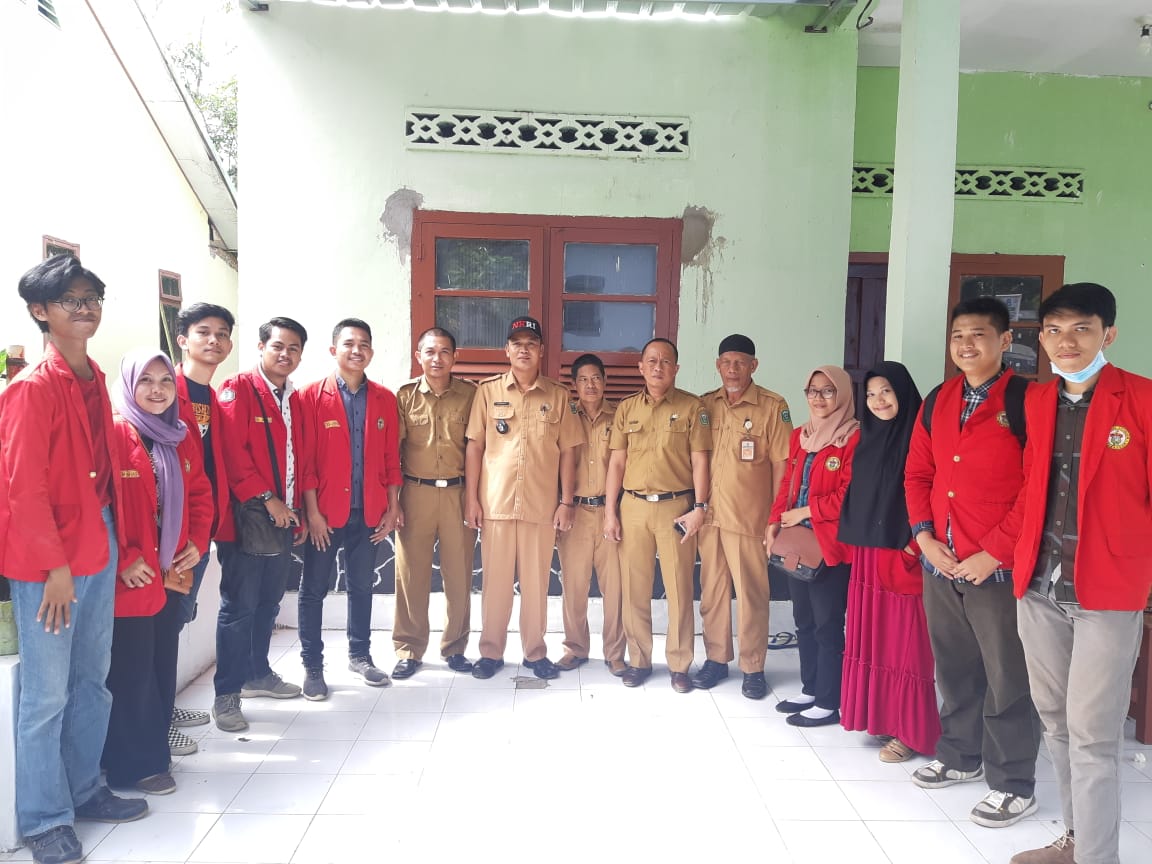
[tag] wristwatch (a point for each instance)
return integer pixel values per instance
(265, 496)
(701, 505)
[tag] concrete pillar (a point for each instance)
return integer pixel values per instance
(923, 201)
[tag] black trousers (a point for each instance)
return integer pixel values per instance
(987, 716)
(818, 609)
(142, 680)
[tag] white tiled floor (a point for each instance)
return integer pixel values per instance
(444, 767)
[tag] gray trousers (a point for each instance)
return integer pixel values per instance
(1080, 666)
(987, 715)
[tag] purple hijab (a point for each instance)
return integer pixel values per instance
(166, 431)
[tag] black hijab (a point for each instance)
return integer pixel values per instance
(875, 512)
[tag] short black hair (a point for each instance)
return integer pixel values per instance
(434, 332)
(668, 342)
(284, 324)
(989, 307)
(1087, 298)
(197, 312)
(351, 322)
(587, 360)
(50, 280)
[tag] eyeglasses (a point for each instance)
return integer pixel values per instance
(824, 392)
(75, 304)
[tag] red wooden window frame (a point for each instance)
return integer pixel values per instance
(169, 301)
(60, 247)
(547, 236)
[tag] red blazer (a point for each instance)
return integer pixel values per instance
(1114, 513)
(139, 534)
(971, 475)
(49, 509)
(222, 511)
(246, 458)
(328, 450)
(827, 486)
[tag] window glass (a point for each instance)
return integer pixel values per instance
(599, 326)
(481, 265)
(479, 322)
(609, 268)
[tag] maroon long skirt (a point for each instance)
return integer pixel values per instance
(889, 675)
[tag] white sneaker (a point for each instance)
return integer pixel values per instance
(935, 775)
(1001, 809)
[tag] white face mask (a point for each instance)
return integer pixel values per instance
(1085, 374)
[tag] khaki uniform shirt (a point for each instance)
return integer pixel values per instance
(432, 428)
(592, 461)
(520, 475)
(742, 487)
(660, 438)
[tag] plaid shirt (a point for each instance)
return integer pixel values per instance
(973, 398)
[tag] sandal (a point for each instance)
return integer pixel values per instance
(896, 751)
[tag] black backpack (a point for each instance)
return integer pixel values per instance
(1013, 406)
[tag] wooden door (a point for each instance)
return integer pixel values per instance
(864, 305)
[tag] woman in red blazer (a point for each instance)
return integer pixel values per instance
(811, 494)
(168, 513)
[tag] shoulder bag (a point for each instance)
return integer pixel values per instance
(256, 531)
(796, 551)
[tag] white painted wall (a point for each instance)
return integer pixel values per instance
(80, 159)
(323, 91)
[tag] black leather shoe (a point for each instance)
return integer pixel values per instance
(681, 683)
(406, 668)
(787, 707)
(808, 723)
(543, 668)
(754, 686)
(486, 667)
(457, 663)
(634, 676)
(710, 674)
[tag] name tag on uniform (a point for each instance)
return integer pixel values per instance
(331, 424)
(261, 419)
(129, 475)
(747, 450)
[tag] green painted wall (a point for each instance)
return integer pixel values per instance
(1102, 126)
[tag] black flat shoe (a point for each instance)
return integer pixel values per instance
(710, 674)
(754, 686)
(787, 707)
(406, 668)
(458, 663)
(634, 676)
(808, 723)
(681, 683)
(543, 668)
(486, 667)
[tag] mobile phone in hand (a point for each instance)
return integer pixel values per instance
(680, 529)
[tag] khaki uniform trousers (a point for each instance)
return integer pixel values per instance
(580, 549)
(431, 513)
(726, 558)
(646, 527)
(508, 547)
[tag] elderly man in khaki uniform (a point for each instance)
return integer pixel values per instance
(660, 445)
(585, 545)
(434, 413)
(522, 441)
(750, 431)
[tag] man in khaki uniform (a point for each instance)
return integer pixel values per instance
(585, 545)
(750, 431)
(521, 439)
(660, 444)
(434, 413)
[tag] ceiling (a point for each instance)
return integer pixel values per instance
(1075, 37)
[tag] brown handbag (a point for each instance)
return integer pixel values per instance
(796, 551)
(179, 581)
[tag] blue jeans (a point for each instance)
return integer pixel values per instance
(360, 573)
(251, 587)
(64, 703)
(188, 601)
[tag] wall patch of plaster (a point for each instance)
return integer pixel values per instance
(699, 250)
(397, 219)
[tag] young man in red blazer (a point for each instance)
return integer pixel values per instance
(1083, 563)
(252, 405)
(351, 485)
(204, 332)
(59, 511)
(962, 479)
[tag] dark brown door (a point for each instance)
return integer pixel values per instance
(864, 304)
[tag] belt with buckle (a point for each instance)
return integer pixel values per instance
(660, 496)
(439, 484)
(597, 501)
